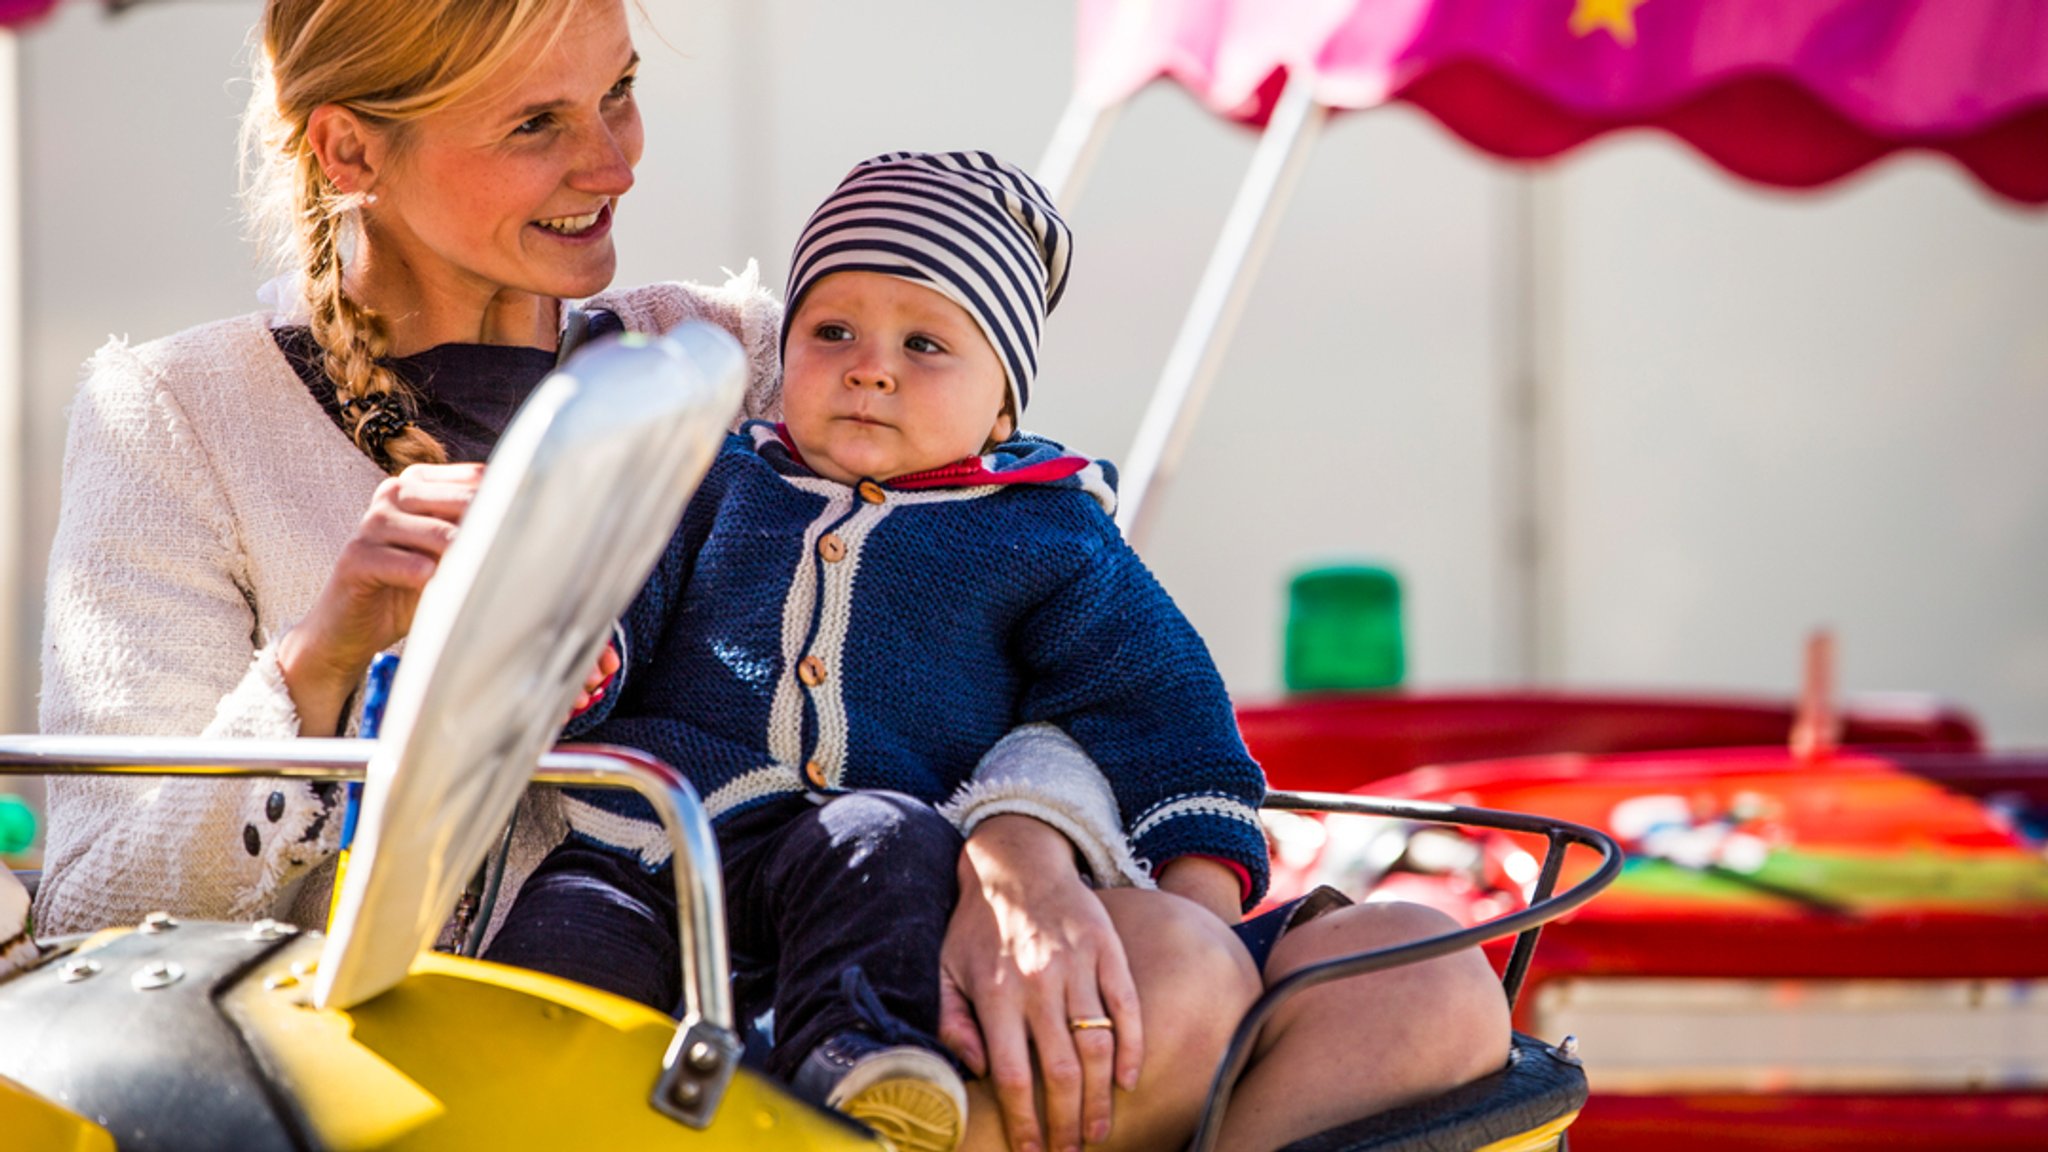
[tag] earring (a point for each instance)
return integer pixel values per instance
(369, 198)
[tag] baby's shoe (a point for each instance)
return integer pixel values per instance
(910, 1096)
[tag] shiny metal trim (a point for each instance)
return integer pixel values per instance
(706, 1025)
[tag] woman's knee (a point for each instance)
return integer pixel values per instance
(1195, 979)
(1449, 1013)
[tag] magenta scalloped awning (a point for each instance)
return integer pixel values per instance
(14, 13)
(1786, 92)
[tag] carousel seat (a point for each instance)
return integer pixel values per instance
(1524, 1107)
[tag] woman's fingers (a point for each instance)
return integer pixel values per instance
(427, 536)
(1009, 1070)
(1093, 1033)
(1107, 1037)
(1120, 1003)
(1059, 1063)
(957, 1028)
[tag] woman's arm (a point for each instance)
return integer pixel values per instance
(149, 631)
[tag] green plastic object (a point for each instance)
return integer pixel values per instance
(1344, 630)
(17, 825)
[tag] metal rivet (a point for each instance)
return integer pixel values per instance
(157, 922)
(1568, 1050)
(251, 840)
(271, 930)
(274, 807)
(703, 1057)
(689, 1093)
(277, 981)
(75, 970)
(305, 968)
(157, 974)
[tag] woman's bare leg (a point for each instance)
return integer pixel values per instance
(1350, 1048)
(1195, 982)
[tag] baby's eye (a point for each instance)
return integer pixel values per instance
(834, 332)
(923, 344)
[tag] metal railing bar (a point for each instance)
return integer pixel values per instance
(1525, 944)
(1561, 834)
(700, 899)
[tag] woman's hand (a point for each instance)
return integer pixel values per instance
(368, 601)
(1030, 948)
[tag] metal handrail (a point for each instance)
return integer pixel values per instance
(1525, 924)
(706, 1047)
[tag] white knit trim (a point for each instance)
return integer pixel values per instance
(260, 705)
(944, 495)
(643, 838)
(828, 642)
(760, 784)
(1227, 807)
(1039, 771)
(1096, 483)
(786, 710)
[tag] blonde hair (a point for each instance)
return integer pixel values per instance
(389, 62)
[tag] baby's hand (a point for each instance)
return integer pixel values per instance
(599, 681)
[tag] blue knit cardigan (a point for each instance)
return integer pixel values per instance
(802, 635)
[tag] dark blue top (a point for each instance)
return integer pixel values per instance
(466, 394)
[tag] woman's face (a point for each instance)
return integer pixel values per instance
(514, 187)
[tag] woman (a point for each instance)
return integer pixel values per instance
(214, 569)
(442, 176)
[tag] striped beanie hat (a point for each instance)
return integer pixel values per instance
(966, 225)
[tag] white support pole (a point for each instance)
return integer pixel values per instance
(1219, 299)
(13, 613)
(1517, 476)
(1076, 141)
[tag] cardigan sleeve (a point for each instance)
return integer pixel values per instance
(1112, 662)
(741, 305)
(149, 631)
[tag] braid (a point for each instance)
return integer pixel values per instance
(377, 408)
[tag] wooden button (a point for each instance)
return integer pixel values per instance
(872, 492)
(811, 671)
(816, 772)
(832, 548)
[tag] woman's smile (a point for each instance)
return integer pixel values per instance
(588, 226)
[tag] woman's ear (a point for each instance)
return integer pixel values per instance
(346, 148)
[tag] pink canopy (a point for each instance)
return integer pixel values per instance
(14, 13)
(1786, 92)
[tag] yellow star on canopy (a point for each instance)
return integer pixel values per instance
(1617, 16)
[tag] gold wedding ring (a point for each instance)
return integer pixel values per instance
(1084, 1023)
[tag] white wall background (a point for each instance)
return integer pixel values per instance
(1766, 411)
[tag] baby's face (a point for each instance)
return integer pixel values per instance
(882, 377)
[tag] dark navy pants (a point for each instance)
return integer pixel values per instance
(865, 882)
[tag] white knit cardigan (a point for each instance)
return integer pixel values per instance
(206, 498)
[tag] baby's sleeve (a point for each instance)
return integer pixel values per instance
(1112, 661)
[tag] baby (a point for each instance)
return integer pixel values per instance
(860, 603)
